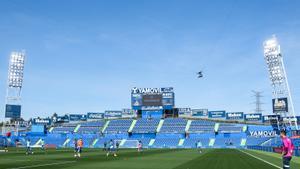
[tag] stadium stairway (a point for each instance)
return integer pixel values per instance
(188, 125)
(243, 142)
(66, 142)
(37, 143)
(211, 142)
(122, 142)
(217, 125)
(132, 126)
(151, 142)
(77, 128)
(105, 126)
(181, 141)
(160, 124)
(51, 129)
(245, 128)
(94, 143)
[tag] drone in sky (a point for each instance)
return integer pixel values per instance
(199, 74)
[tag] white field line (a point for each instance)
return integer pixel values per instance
(264, 154)
(43, 165)
(260, 159)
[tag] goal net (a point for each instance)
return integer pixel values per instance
(128, 143)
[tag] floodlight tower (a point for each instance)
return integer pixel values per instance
(282, 99)
(14, 84)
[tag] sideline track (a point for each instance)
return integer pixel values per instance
(44, 165)
(251, 155)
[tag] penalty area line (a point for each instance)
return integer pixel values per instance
(260, 159)
(43, 165)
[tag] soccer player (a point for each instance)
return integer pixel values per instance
(28, 147)
(79, 147)
(199, 146)
(5, 145)
(75, 147)
(105, 146)
(117, 145)
(287, 149)
(140, 146)
(43, 144)
(111, 148)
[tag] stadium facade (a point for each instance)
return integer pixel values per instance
(155, 121)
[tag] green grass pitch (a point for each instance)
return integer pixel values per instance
(149, 159)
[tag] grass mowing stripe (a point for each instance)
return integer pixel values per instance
(44, 165)
(131, 154)
(251, 155)
(88, 157)
(165, 160)
(225, 159)
(194, 159)
(274, 155)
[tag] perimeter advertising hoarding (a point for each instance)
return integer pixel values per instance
(271, 118)
(253, 117)
(234, 116)
(184, 112)
(12, 111)
(78, 117)
(39, 121)
(216, 114)
(61, 119)
(95, 116)
(262, 133)
(274, 120)
(129, 113)
(288, 119)
(199, 112)
(152, 108)
(280, 105)
(111, 114)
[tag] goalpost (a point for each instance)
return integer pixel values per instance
(127, 143)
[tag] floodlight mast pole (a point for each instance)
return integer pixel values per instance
(278, 76)
(289, 95)
(15, 77)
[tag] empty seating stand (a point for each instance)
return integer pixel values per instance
(166, 143)
(174, 125)
(227, 142)
(146, 126)
(230, 128)
(173, 133)
(252, 141)
(91, 127)
(66, 128)
(191, 142)
(118, 126)
(202, 126)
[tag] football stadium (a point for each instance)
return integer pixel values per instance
(157, 129)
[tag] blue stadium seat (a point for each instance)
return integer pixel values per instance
(146, 126)
(166, 143)
(173, 125)
(118, 126)
(202, 126)
(91, 127)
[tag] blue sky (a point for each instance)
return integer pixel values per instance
(86, 55)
